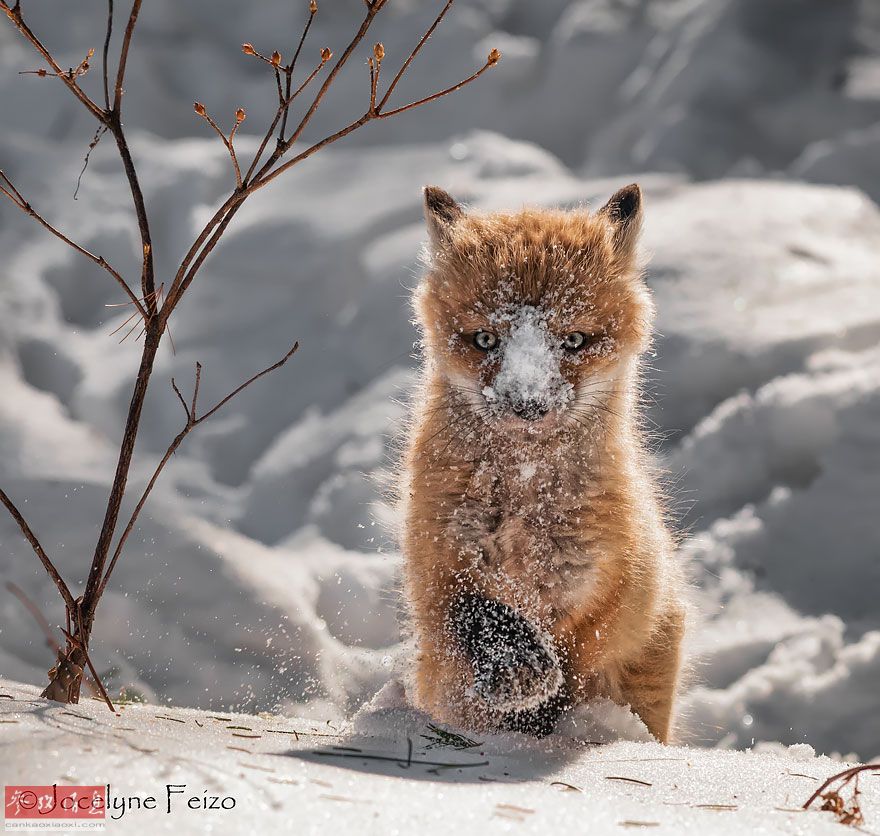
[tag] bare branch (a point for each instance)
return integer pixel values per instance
(291, 67)
(173, 294)
(282, 112)
(38, 550)
(38, 616)
(91, 596)
(195, 397)
(281, 96)
(375, 63)
(442, 93)
(182, 401)
(212, 232)
(240, 116)
(844, 777)
(104, 63)
(8, 189)
(372, 10)
(418, 47)
(14, 14)
(74, 641)
(268, 370)
(72, 73)
(113, 122)
(191, 423)
(186, 280)
(267, 178)
(123, 56)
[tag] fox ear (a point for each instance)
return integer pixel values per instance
(624, 211)
(441, 214)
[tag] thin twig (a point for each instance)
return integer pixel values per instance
(14, 14)
(105, 62)
(39, 551)
(281, 114)
(418, 47)
(73, 640)
(182, 401)
(8, 189)
(227, 141)
(289, 70)
(264, 179)
(196, 385)
(191, 423)
(123, 56)
(97, 138)
(434, 96)
(372, 11)
(846, 776)
(401, 761)
(38, 616)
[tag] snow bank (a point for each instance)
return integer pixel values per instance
(400, 775)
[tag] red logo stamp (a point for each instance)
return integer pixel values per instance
(56, 805)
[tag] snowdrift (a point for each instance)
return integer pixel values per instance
(392, 771)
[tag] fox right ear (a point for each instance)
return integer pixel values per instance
(441, 214)
(624, 211)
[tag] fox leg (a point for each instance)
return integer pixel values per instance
(514, 664)
(649, 685)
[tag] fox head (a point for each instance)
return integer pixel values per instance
(535, 319)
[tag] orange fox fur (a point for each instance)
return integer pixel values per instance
(556, 515)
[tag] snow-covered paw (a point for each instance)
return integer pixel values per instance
(515, 665)
(522, 679)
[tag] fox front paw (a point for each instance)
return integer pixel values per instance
(514, 663)
(520, 683)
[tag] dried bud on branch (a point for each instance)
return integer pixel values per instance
(494, 57)
(379, 51)
(313, 7)
(326, 54)
(248, 49)
(199, 108)
(240, 116)
(276, 59)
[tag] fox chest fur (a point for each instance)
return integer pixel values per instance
(526, 519)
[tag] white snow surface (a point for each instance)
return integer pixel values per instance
(384, 772)
(263, 574)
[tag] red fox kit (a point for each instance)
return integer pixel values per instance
(539, 570)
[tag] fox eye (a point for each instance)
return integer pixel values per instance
(574, 341)
(485, 340)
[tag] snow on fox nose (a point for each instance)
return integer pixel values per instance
(528, 381)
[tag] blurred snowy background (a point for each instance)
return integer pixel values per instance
(263, 574)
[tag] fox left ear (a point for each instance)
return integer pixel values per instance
(624, 211)
(441, 214)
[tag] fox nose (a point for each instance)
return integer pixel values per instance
(530, 409)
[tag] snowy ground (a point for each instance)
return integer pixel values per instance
(263, 576)
(386, 773)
